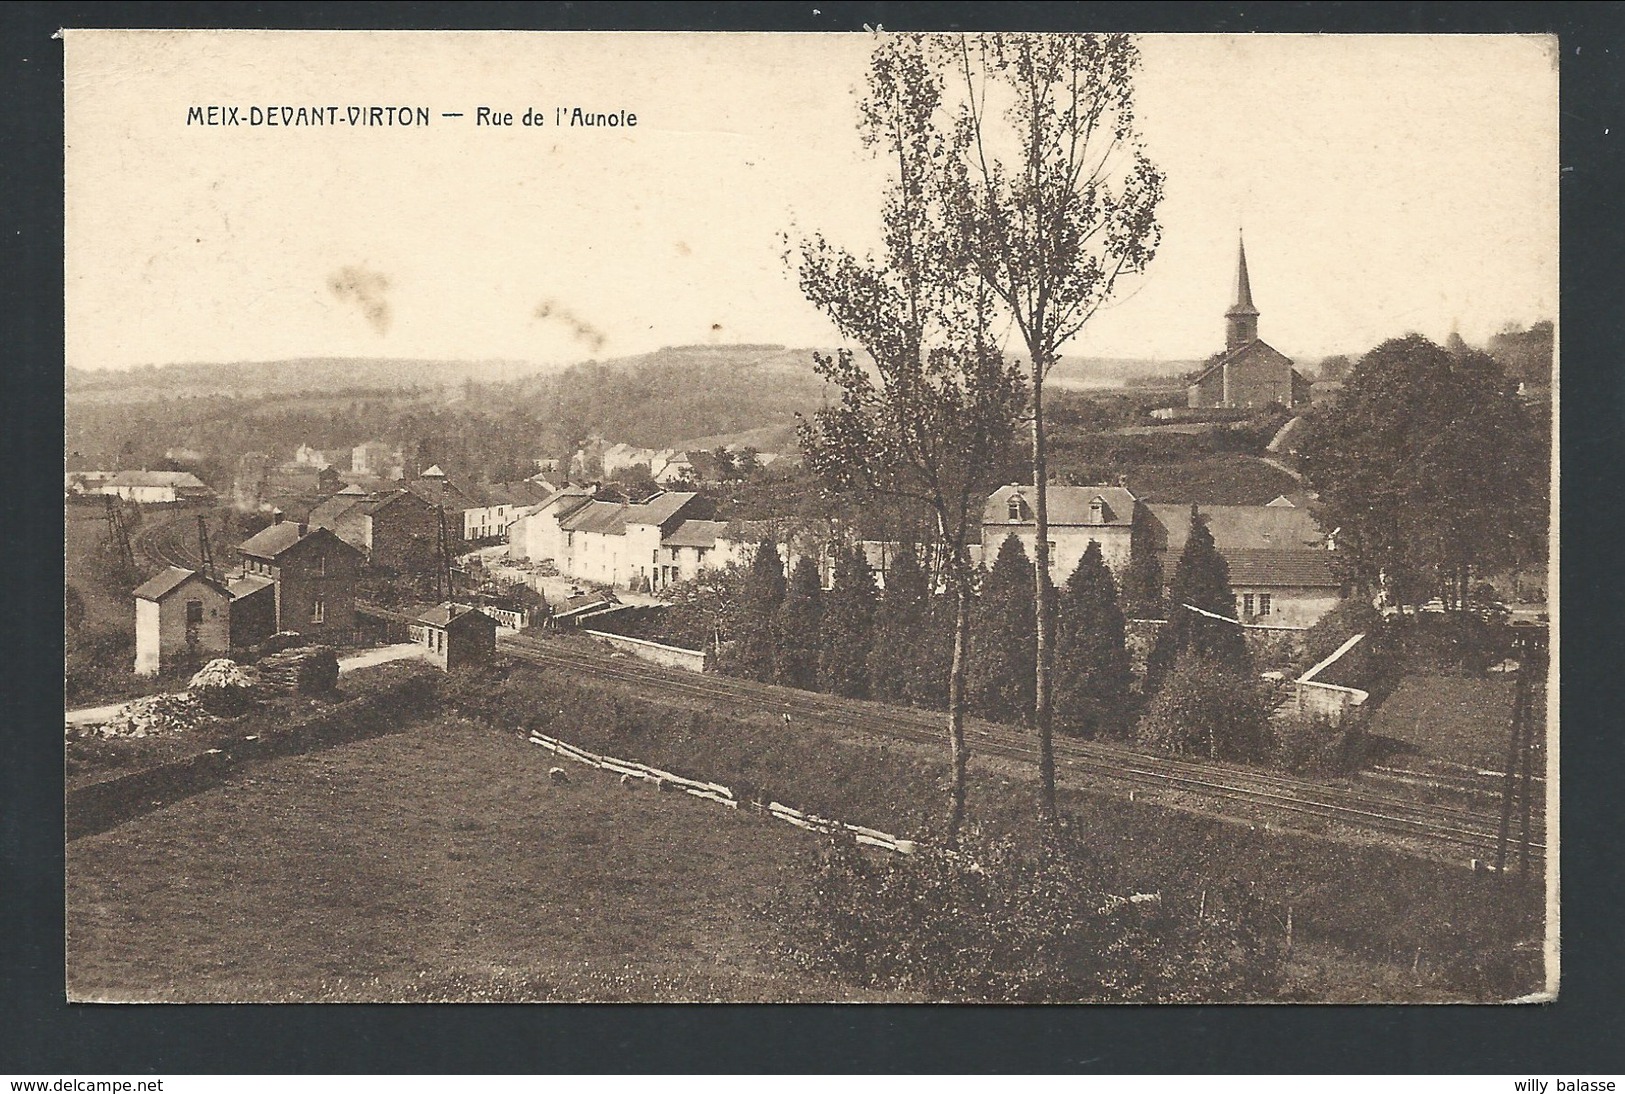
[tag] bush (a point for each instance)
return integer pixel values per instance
(990, 922)
(1313, 747)
(1204, 710)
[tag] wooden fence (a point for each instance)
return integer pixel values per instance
(720, 794)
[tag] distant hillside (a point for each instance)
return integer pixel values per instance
(678, 395)
(302, 374)
(1085, 373)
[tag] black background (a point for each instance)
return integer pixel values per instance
(1584, 1031)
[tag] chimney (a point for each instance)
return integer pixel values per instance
(276, 516)
(304, 529)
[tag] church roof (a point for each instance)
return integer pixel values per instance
(1244, 288)
(1231, 356)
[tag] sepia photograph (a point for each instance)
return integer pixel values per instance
(886, 517)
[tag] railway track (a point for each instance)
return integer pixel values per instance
(167, 539)
(1442, 826)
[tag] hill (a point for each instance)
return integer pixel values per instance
(247, 379)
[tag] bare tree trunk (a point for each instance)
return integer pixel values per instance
(956, 707)
(1041, 605)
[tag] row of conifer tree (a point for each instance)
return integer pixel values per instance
(857, 640)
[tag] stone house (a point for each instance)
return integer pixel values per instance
(1078, 515)
(394, 529)
(313, 580)
(182, 618)
(455, 635)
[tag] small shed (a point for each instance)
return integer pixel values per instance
(456, 634)
(181, 618)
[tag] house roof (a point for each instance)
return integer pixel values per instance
(247, 584)
(695, 533)
(332, 508)
(449, 614)
(1068, 505)
(1291, 568)
(658, 508)
(604, 517)
(1241, 527)
(271, 542)
(175, 479)
(1247, 349)
(280, 538)
(172, 578)
(438, 490)
(523, 492)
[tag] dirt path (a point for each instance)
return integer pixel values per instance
(400, 651)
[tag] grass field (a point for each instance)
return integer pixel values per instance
(434, 864)
(1458, 720)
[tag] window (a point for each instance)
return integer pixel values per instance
(1246, 603)
(1015, 508)
(194, 612)
(1263, 603)
(318, 610)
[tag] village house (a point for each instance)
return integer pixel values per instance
(1250, 372)
(501, 503)
(158, 487)
(181, 618)
(1280, 561)
(537, 535)
(394, 529)
(312, 578)
(306, 456)
(455, 635)
(377, 458)
(436, 488)
(1078, 515)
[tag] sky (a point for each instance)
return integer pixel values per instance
(1385, 184)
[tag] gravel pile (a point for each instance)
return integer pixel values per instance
(151, 716)
(225, 687)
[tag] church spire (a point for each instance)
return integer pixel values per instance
(1241, 321)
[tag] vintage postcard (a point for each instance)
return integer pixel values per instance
(667, 517)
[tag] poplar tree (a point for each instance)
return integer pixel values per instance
(931, 404)
(1056, 203)
(799, 629)
(848, 627)
(1092, 675)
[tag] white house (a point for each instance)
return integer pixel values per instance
(158, 487)
(1078, 515)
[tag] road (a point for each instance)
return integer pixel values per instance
(400, 651)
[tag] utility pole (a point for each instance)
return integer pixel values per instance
(205, 556)
(118, 535)
(442, 575)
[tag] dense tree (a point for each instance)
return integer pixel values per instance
(1335, 367)
(924, 417)
(1056, 205)
(1142, 586)
(848, 627)
(1429, 470)
(756, 622)
(1201, 610)
(1205, 709)
(900, 631)
(1001, 684)
(1092, 675)
(800, 628)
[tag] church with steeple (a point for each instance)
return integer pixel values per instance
(1250, 372)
